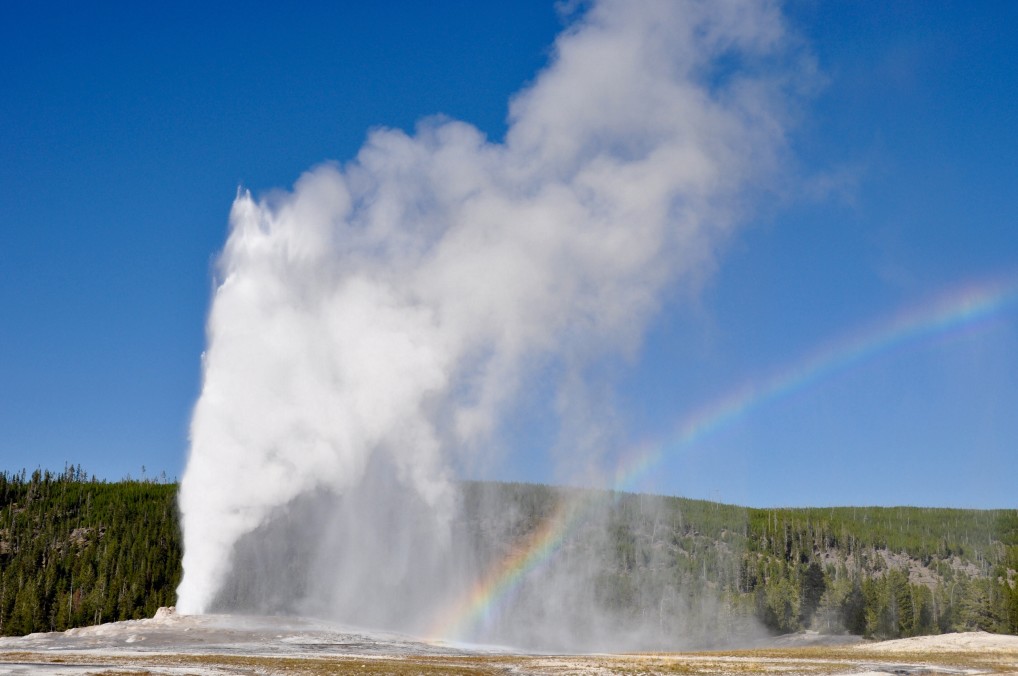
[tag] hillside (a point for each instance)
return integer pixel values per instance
(875, 571)
(75, 551)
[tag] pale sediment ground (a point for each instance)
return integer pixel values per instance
(978, 641)
(216, 645)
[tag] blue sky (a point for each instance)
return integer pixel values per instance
(127, 131)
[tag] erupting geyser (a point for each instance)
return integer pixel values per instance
(368, 327)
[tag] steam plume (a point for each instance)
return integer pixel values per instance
(369, 327)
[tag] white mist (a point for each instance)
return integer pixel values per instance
(372, 325)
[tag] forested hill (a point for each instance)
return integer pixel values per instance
(876, 571)
(75, 551)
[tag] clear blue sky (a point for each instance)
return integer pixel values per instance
(126, 130)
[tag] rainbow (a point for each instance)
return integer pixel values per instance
(482, 603)
(950, 312)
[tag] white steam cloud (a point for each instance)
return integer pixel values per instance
(370, 326)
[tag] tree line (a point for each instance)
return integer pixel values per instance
(77, 551)
(883, 572)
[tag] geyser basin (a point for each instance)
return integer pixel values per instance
(249, 635)
(218, 645)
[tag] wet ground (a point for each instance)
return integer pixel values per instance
(227, 635)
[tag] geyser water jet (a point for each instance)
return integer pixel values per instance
(369, 328)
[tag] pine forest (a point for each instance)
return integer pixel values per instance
(76, 551)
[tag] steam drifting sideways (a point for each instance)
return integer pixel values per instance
(370, 327)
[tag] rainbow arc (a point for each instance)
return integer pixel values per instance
(951, 312)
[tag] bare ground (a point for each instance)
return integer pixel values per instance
(219, 646)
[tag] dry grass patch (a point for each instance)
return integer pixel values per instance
(800, 661)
